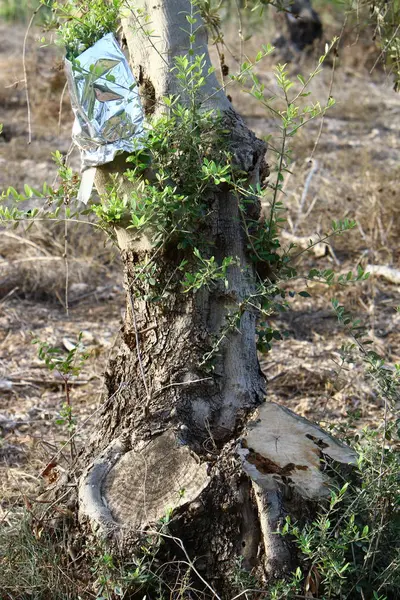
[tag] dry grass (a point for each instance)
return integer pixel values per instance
(39, 264)
(20, 162)
(32, 264)
(39, 274)
(31, 564)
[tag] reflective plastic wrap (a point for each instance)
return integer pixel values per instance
(105, 100)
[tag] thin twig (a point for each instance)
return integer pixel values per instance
(4, 298)
(165, 387)
(91, 293)
(25, 72)
(66, 263)
(330, 87)
(314, 168)
(250, 590)
(56, 501)
(276, 187)
(179, 543)
(37, 220)
(385, 48)
(14, 84)
(240, 31)
(145, 34)
(22, 240)
(45, 258)
(378, 539)
(385, 425)
(121, 386)
(60, 106)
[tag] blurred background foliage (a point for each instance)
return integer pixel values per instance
(380, 18)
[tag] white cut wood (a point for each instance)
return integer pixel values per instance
(143, 486)
(281, 447)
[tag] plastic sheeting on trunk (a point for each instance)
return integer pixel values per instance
(106, 104)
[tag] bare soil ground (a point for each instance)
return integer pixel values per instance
(355, 173)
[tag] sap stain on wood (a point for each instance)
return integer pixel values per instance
(267, 466)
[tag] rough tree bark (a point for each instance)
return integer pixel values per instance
(172, 435)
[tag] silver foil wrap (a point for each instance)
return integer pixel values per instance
(105, 100)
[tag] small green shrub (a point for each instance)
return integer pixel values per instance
(351, 550)
(66, 364)
(82, 23)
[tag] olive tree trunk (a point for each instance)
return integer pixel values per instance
(173, 436)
